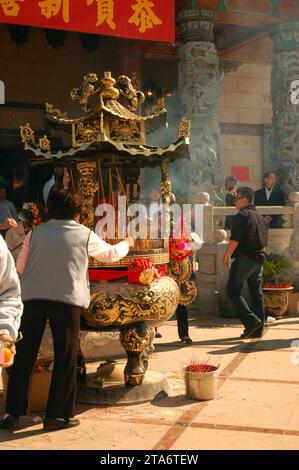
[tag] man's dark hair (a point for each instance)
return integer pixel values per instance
(63, 204)
(230, 180)
(3, 184)
(244, 191)
(268, 173)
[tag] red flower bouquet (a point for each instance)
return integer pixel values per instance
(30, 212)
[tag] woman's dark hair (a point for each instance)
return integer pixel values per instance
(58, 173)
(63, 204)
(244, 191)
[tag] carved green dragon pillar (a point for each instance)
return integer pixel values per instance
(285, 125)
(200, 79)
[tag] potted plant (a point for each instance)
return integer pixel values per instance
(201, 379)
(278, 276)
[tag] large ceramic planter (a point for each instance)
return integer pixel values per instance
(276, 300)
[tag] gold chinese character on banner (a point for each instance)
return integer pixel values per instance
(105, 12)
(10, 7)
(144, 16)
(11, 117)
(51, 8)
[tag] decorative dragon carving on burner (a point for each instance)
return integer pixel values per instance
(92, 86)
(133, 97)
(82, 94)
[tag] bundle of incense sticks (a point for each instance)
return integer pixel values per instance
(201, 365)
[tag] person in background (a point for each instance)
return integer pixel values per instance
(7, 208)
(230, 185)
(7, 224)
(8, 214)
(53, 265)
(182, 317)
(155, 195)
(271, 195)
(11, 306)
(249, 237)
(155, 198)
(20, 189)
(66, 179)
(60, 177)
(29, 218)
(180, 243)
(183, 324)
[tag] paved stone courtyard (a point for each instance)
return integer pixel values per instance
(257, 406)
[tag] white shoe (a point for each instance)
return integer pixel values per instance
(270, 320)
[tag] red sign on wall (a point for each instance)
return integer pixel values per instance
(137, 19)
(241, 173)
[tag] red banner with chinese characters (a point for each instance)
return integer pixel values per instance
(152, 20)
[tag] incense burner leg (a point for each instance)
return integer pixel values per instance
(134, 340)
(150, 346)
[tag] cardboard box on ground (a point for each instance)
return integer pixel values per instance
(39, 386)
(40, 381)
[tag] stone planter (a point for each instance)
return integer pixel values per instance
(276, 300)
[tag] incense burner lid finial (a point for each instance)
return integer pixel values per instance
(108, 91)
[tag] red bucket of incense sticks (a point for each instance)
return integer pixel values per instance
(201, 380)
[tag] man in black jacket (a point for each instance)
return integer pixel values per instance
(271, 195)
(249, 237)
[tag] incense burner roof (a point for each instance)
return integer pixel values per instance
(111, 153)
(109, 129)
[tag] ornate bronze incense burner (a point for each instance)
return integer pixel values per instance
(108, 141)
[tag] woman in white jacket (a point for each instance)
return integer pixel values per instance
(53, 264)
(11, 306)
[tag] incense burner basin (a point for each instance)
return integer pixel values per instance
(134, 310)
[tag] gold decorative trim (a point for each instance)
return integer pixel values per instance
(44, 144)
(157, 256)
(82, 94)
(141, 150)
(134, 97)
(125, 131)
(184, 128)
(132, 340)
(181, 273)
(85, 132)
(55, 112)
(88, 186)
(27, 136)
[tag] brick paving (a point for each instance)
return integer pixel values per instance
(257, 406)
